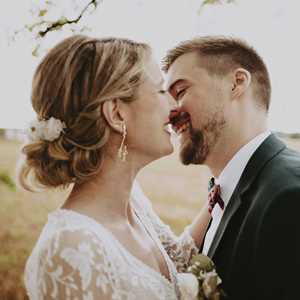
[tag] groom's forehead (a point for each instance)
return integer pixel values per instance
(185, 63)
(179, 73)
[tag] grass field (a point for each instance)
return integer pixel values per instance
(177, 193)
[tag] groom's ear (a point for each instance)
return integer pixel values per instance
(240, 82)
(112, 113)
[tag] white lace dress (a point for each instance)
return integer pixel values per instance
(78, 258)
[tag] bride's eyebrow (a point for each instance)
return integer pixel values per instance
(161, 82)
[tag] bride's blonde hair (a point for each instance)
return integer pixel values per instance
(70, 84)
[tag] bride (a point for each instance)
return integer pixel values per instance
(101, 115)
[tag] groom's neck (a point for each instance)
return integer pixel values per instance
(230, 143)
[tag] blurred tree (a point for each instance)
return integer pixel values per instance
(6, 180)
(2, 132)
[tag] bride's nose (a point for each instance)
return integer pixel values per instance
(172, 103)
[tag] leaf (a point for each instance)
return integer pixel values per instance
(35, 51)
(214, 2)
(62, 21)
(207, 2)
(205, 263)
(42, 12)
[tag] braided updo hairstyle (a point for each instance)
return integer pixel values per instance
(70, 84)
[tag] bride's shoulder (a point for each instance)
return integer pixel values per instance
(71, 248)
(70, 230)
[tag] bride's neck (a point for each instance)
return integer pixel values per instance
(107, 194)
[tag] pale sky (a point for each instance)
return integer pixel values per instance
(271, 26)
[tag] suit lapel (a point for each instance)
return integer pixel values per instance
(265, 152)
(230, 210)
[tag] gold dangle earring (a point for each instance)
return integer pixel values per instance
(122, 152)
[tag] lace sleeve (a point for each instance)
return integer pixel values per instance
(180, 249)
(74, 266)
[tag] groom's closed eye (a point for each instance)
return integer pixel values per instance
(179, 93)
(178, 89)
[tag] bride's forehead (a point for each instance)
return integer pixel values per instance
(153, 72)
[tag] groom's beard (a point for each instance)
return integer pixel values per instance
(198, 145)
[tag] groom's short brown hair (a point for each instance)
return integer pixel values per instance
(224, 54)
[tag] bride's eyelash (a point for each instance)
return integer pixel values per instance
(162, 91)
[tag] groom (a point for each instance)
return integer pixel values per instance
(254, 236)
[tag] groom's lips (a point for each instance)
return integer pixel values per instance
(178, 118)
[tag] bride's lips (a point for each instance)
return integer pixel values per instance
(179, 120)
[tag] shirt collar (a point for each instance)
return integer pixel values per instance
(232, 172)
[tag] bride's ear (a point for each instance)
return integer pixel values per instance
(112, 114)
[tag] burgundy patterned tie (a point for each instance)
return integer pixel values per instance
(214, 195)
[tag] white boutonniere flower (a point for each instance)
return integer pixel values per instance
(188, 285)
(201, 282)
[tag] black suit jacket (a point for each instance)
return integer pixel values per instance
(256, 247)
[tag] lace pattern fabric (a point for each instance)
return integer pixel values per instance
(180, 249)
(77, 258)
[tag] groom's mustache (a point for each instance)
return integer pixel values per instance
(178, 118)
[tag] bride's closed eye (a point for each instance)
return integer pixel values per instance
(162, 91)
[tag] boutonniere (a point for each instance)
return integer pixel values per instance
(201, 282)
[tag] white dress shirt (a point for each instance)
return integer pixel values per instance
(228, 181)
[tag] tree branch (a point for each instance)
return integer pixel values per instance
(63, 21)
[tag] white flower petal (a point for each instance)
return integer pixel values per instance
(48, 130)
(188, 285)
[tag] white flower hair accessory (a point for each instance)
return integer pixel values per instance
(48, 130)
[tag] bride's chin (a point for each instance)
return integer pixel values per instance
(165, 151)
(170, 149)
(162, 149)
